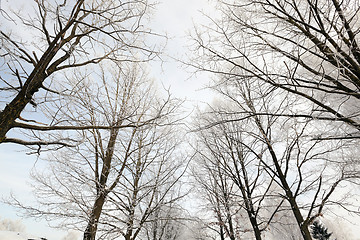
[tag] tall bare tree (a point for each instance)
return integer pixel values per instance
(39, 45)
(305, 56)
(150, 185)
(235, 179)
(306, 48)
(251, 148)
(109, 182)
(218, 196)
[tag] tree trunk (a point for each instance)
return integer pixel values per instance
(255, 227)
(289, 194)
(299, 218)
(12, 110)
(222, 234)
(90, 231)
(291, 199)
(247, 195)
(231, 229)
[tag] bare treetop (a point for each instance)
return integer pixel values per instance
(306, 48)
(65, 35)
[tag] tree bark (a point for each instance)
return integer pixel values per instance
(90, 231)
(16, 106)
(222, 234)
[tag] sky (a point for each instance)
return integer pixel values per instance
(176, 18)
(173, 17)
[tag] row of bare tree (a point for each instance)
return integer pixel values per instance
(272, 150)
(281, 138)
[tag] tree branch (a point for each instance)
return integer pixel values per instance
(48, 128)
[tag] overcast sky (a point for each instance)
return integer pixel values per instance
(176, 18)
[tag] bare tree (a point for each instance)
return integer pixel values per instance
(251, 148)
(302, 56)
(306, 48)
(218, 197)
(166, 222)
(148, 187)
(108, 183)
(240, 179)
(55, 37)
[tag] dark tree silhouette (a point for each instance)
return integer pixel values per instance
(69, 35)
(318, 231)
